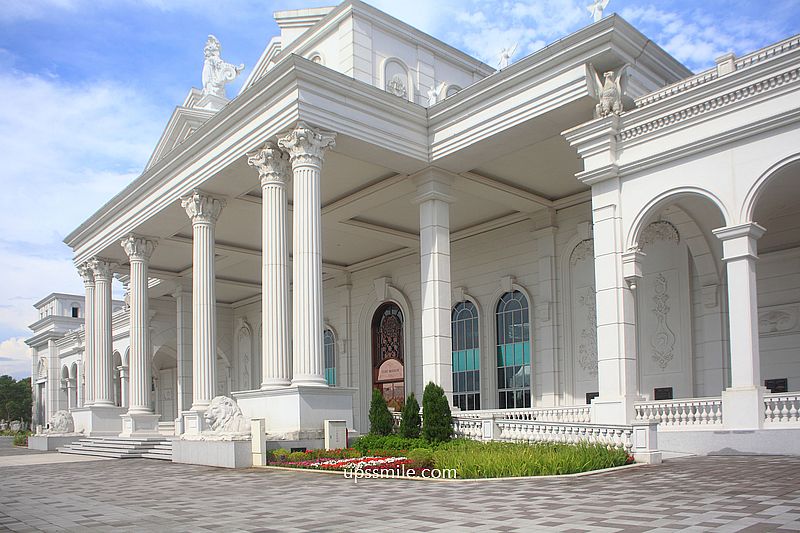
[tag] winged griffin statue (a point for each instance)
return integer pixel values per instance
(216, 72)
(608, 91)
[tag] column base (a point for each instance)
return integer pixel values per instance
(743, 408)
(297, 412)
(309, 381)
(617, 411)
(139, 425)
(193, 422)
(275, 384)
(98, 420)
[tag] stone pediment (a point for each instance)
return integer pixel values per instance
(184, 121)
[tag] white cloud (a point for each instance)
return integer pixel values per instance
(15, 359)
(67, 148)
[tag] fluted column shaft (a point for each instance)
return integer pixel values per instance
(88, 329)
(306, 148)
(204, 211)
(139, 251)
(103, 376)
(273, 169)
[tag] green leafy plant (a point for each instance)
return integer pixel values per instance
(380, 419)
(21, 438)
(421, 458)
(437, 423)
(410, 421)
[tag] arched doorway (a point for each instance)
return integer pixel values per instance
(388, 362)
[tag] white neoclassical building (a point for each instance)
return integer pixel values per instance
(591, 237)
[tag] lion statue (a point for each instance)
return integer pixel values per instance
(224, 416)
(61, 422)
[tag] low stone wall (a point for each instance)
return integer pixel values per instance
(50, 443)
(732, 442)
(222, 453)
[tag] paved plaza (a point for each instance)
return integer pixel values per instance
(689, 494)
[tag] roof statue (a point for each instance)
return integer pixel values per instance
(216, 72)
(505, 56)
(596, 9)
(608, 92)
(435, 93)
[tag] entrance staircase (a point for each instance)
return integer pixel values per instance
(122, 448)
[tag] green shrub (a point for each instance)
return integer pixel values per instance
(420, 458)
(387, 445)
(380, 419)
(410, 421)
(293, 457)
(278, 455)
(437, 423)
(472, 459)
(21, 438)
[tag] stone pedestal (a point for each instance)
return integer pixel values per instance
(193, 422)
(212, 452)
(50, 443)
(98, 420)
(743, 407)
(297, 413)
(645, 443)
(139, 425)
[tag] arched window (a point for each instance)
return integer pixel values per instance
(466, 357)
(513, 351)
(329, 349)
(388, 370)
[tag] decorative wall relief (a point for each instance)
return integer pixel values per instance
(397, 86)
(245, 338)
(660, 230)
(584, 250)
(587, 349)
(778, 320)
(396, 79)
(663, 339)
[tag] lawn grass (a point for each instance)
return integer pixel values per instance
(472, 459)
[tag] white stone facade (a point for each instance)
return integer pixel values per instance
(646, 261)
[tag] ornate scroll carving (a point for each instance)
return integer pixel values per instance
(663, 339)
(202, 207)
(271, 162)
(660, 230)
(779, 320)
(587, 350)
(584, 250)
(397, 86)
(307, 145)
(138, 248)
(390, 338)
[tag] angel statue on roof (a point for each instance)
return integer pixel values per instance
(505, 56)
(596, 9)
(216, 72)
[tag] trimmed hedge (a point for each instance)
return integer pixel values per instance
(380, 419)
(437, 422)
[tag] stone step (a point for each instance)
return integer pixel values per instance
(121, 447)
(96, 453)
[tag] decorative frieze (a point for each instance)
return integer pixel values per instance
(587, 349)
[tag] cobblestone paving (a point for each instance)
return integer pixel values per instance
(690, 494)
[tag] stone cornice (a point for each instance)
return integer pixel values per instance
(272, 164)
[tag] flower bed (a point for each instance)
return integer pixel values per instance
(361, 463)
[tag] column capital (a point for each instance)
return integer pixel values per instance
(138, 248)
(739, 241)
(433, 184)
(201, 207)
(103, 269)
(306, 145)
(86, 272)
(272, 164)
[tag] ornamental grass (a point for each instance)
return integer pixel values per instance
(473, 459)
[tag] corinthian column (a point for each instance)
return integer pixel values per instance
(204, 211)
(88, 331)
(273, 169)
(139, 251)
(306, 149)
(103, 272)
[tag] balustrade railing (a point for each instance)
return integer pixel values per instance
(555, 432)
(782, 409)
(691, 413)
(581, 414)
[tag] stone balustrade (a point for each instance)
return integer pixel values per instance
(580, 414)
(689, 414)
(555, 432)
(780, 409)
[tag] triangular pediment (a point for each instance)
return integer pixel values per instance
(183, 122)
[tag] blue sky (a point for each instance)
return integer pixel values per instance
(86, 87)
